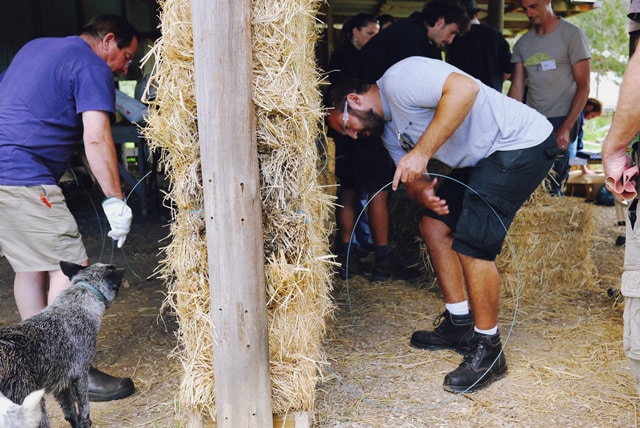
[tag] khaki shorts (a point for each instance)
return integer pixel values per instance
(630, 289)
(37, 230)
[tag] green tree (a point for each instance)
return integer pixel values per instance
(606, 29)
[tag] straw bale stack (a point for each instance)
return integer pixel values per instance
(295, 207)
(548, 248)
(172, 131)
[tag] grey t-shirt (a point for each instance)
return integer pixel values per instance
(411, 90)
(548, 60)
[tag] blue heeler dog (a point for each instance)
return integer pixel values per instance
(53, 349)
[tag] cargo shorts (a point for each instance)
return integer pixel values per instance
(37, 230)
(481, 210)
(630, 288)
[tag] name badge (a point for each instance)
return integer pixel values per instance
(549, 64)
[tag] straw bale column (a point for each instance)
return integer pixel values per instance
(295, 207)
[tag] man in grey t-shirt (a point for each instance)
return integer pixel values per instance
(501, 150)
(553, 58)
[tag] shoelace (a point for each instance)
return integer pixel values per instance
(439, 320)
(475, 353)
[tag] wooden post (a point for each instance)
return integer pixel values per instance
(331, 32)
(495, 14)
(230, 176)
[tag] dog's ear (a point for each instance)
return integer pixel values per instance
(70, 269)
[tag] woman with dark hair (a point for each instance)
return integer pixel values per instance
(356, 32)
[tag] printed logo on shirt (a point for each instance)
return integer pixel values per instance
(541, 60)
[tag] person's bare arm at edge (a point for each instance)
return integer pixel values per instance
(458, 95)
(625, 124)
(516, 90)
(101, 152)
(581, 75)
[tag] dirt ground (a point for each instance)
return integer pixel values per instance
(566, 368)
(563, 349)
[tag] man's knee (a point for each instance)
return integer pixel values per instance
(433, 230)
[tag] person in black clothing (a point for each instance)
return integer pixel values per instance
(385, 20)
(421, 34)
(483, 52)
(356, 33)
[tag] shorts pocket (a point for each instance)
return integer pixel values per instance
(484, 222)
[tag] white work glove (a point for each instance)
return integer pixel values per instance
(119, 216)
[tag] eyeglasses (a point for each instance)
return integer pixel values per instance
(345, 118)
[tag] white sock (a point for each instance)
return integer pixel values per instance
(489, 332)
(460, 308)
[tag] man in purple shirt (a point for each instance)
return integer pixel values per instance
(55, 92)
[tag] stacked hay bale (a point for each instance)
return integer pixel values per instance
(548, 248)
(295, 206)
(172, 131)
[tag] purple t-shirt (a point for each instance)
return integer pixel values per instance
(47, 86)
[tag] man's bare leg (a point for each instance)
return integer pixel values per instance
(483, 286)
(455, 330)
(30, 292)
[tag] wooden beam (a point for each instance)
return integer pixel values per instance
(331, 32)
(231, 185)
(495, 14)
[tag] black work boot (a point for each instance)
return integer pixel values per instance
(353, 265)
(451, 332)
(483, 364)
(383, 268)
(390, 268)
(104, 387)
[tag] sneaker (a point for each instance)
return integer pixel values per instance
(353, 265)
(482, 365)
(451, 332)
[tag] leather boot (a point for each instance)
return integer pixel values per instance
(452, 331)
(104, 387)
(483, 364)
(353, 264)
